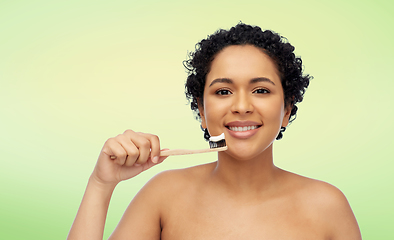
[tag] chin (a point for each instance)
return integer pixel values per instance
(247, 152)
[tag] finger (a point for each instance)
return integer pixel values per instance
(133, 156)
(161, 159)
(130, 148)
(154, 145)
(150, 164)
(144, 147)
(113, 148)
(142, 143)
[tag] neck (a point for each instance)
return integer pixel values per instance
(252, 175)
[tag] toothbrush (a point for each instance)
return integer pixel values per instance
(216, 144)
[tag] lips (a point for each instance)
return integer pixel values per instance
(243, 129)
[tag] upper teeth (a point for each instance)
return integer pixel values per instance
(239, 129)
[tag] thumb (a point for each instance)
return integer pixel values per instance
(159, 159)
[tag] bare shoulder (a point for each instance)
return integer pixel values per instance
(327, 204)
(176, 182)
(319, 192)
(172, 180)
(143, 217)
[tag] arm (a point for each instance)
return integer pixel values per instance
(135, 153)
(90, 219)
(142, 218)
(340, 220)
(344, 223)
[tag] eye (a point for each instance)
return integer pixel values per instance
(223, 92)
(261, 91)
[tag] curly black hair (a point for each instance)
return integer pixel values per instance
(294, 82)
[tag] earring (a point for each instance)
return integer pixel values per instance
(206, 133)
(280, 135)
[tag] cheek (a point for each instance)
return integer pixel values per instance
(215, 111)
(211, 111)
(273, 110)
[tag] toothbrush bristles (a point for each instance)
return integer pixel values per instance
(217, 141)
(221, 143)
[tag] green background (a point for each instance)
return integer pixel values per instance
(75, 73)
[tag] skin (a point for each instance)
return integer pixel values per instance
(243, 195)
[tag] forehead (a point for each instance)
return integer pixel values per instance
(242, 62)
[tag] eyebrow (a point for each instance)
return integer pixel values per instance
(252, 81)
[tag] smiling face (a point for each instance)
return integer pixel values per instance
(243, 98)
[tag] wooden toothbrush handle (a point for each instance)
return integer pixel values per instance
(173, 152)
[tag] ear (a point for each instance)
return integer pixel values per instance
(286, 117)
(202, 114)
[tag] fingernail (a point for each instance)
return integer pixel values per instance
(137, 164)
(155, 159)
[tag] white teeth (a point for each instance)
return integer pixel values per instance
(242, 129)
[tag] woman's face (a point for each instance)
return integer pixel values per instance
(243, 98)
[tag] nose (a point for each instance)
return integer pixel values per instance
(242, 104)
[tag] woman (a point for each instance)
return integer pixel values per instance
(244, 83)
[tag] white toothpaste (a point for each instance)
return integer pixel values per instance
(217, 138)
